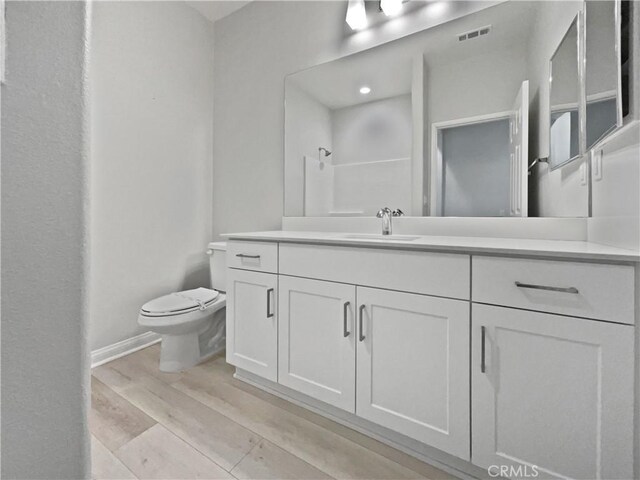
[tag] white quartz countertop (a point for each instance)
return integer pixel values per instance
(509, 246)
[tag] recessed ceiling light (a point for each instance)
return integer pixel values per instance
(365, 90)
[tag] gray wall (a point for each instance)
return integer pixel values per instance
(152, 122)
(44, 235)
(476, 170)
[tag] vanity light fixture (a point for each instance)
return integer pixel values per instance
(356, 15)
(364, 90)
(391, 8)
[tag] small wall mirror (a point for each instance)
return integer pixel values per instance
(602, 69)
(564, 87)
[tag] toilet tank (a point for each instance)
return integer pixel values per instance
(218, 265)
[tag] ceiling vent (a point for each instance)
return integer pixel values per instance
(480, 32)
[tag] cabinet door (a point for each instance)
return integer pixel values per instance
(252, 323)
(317, 339)
(552, 391)
(413, 367)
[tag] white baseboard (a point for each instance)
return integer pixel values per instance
(125, 347)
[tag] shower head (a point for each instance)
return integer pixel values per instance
(324, 150)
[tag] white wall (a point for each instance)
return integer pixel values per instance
(616, 193)
(151, 108)
(44, 243)
(615, 200)
(256, 47)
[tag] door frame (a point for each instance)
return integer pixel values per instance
(435, 164)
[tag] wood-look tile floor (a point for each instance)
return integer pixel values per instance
(203, 423)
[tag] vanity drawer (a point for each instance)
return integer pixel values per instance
(430, 273)
(590, 290)
(257, 256)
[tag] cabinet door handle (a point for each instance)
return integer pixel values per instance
(269, 312)
(483, 366)
(361, 311)
(245, 255)
(345, 313)
(545, 287)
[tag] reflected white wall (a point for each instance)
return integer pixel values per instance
(307, 127)
(363, 188)
(373, 131)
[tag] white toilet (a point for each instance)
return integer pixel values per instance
(191, 322)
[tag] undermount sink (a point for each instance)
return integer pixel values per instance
(390, 238)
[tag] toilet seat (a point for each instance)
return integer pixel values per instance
(180, 303)
(181, 321)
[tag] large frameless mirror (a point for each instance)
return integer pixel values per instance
(437, 123)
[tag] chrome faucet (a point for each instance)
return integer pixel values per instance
(385, 214)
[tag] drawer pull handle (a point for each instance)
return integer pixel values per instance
(345, 313)
(244, 255)
(361, 337)
(483, 366)
(269, 312)
(545, 287)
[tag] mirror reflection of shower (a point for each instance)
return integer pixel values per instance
(322, 153)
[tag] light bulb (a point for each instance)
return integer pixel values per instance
(356, 15)
(391, 7)
(365, 90)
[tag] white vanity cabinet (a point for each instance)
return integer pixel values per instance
(317, 340)
(252, 322)
(404, 357)
(413, 366)
(498, 360)
(552, 391)
(549, 389)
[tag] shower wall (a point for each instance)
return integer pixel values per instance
(373, 131)
(370, 166)
(308, 126)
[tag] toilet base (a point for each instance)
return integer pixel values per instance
(179, 352)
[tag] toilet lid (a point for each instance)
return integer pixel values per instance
(181, 302)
